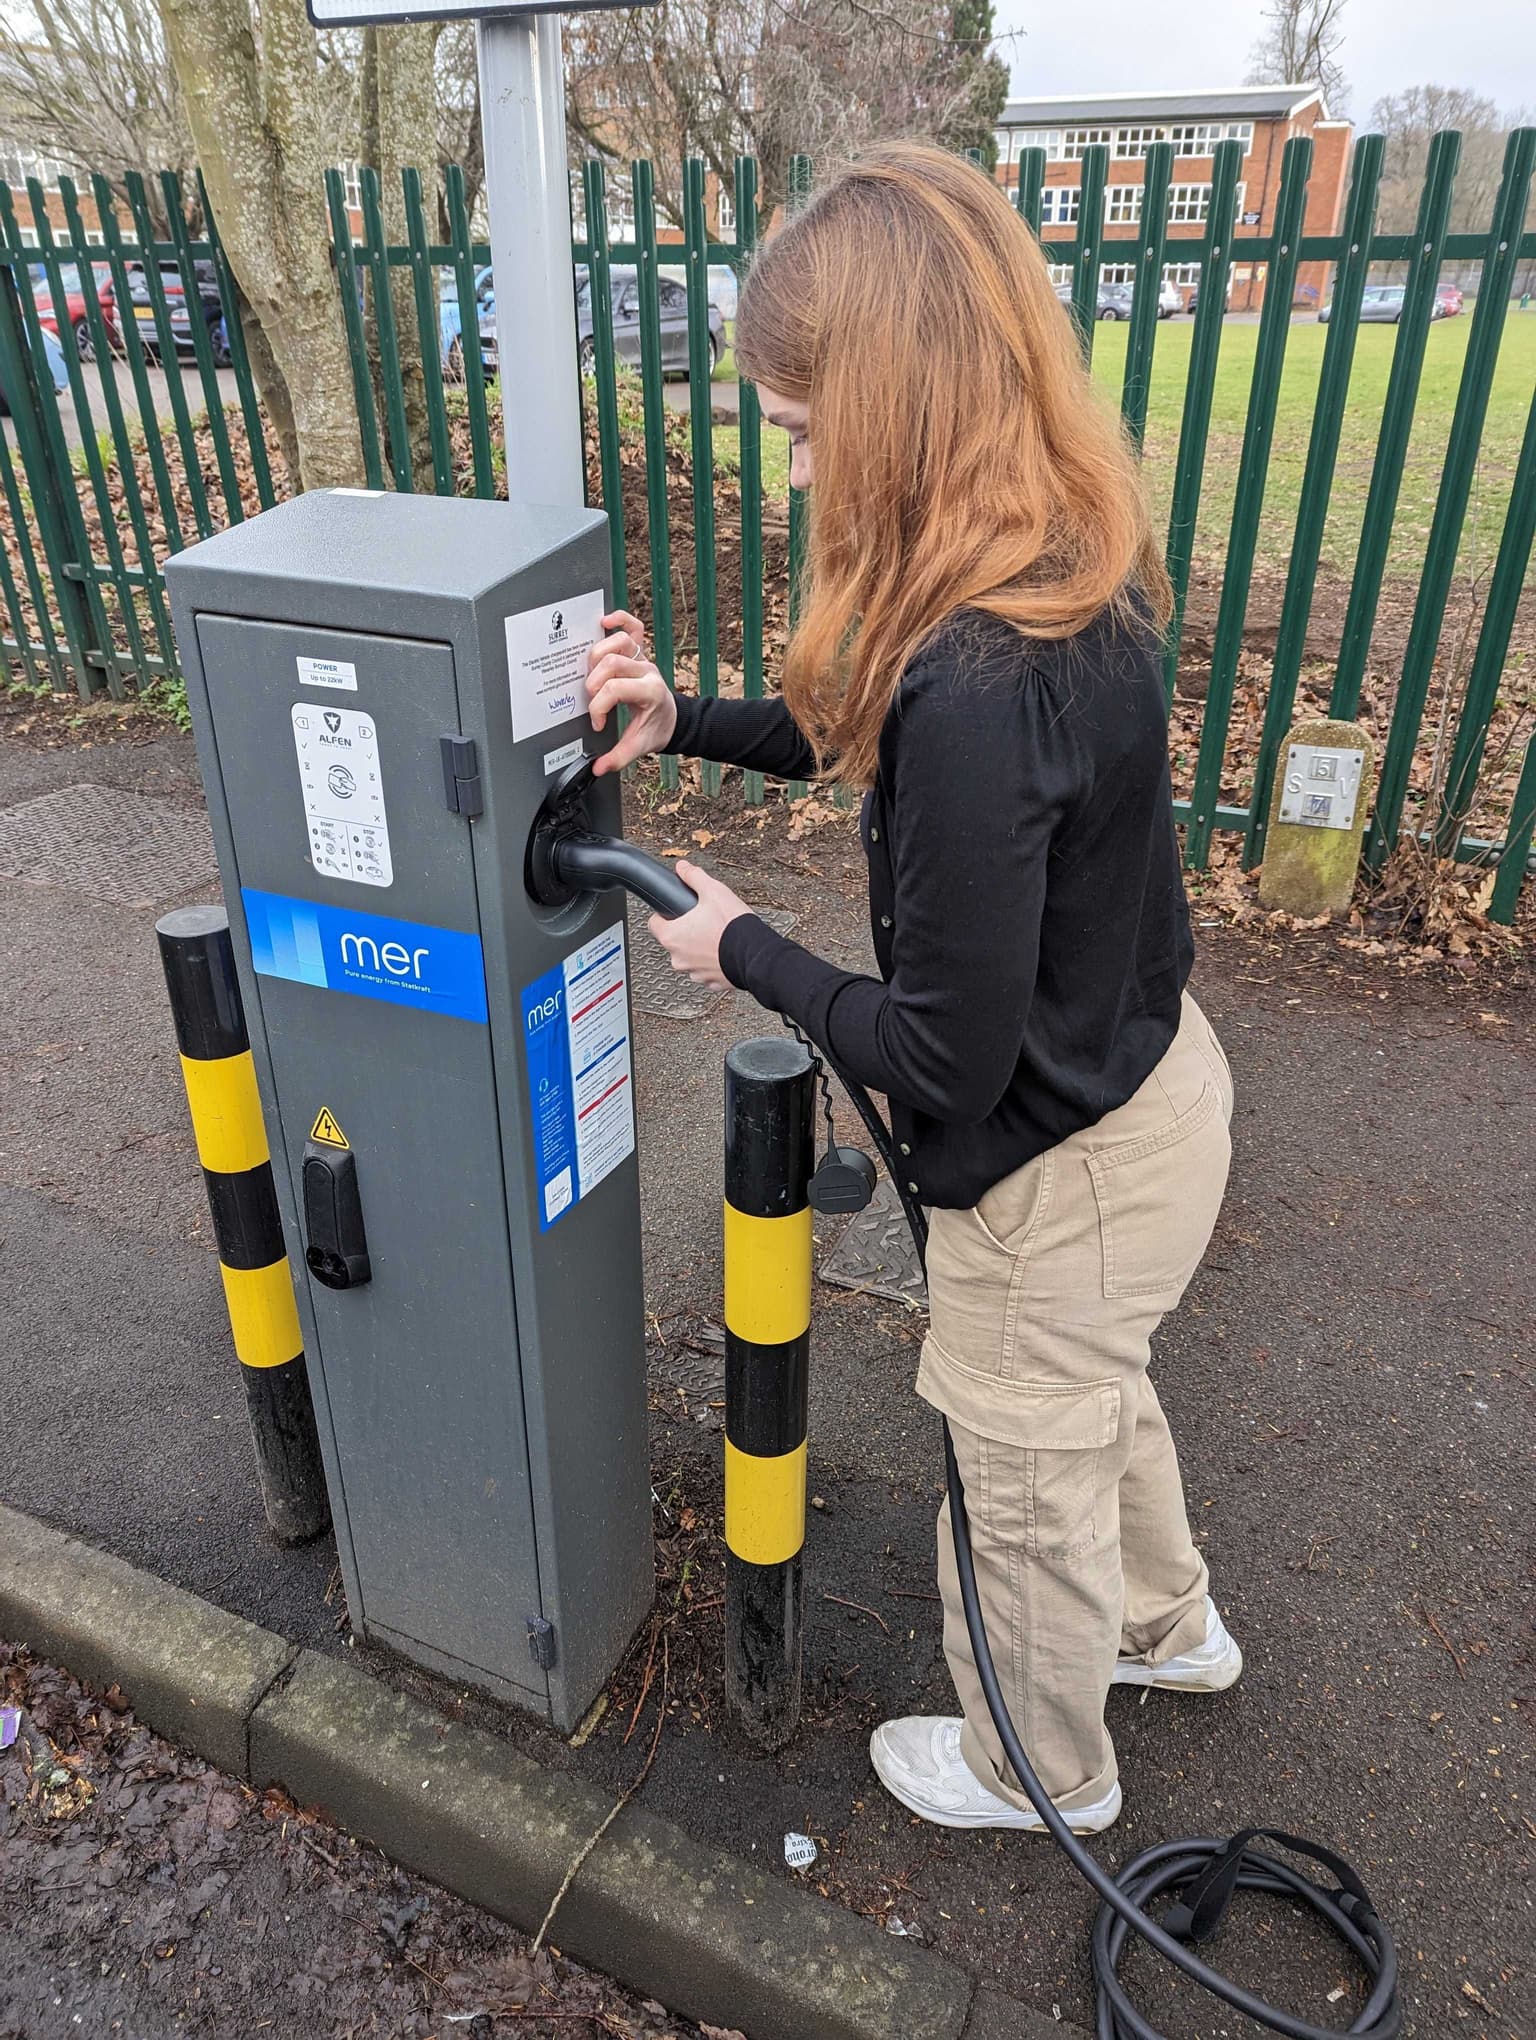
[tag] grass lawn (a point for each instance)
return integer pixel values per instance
(1509, 402)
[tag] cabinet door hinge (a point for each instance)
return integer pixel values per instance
(541, 1642)
(461, 776)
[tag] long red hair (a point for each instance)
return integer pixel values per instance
(962, 457)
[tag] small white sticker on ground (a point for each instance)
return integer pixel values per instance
(799, 1851)
(547, 662)
(338, 753)
(327, 673)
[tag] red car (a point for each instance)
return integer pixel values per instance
(99, 280)
(1448, 302)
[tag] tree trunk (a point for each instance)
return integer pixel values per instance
(270, 387)
(253, 106)
(399, 120)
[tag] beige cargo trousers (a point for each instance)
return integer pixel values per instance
(1042, 1301)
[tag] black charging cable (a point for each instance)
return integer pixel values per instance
(1196, 1879)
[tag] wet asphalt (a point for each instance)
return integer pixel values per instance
(1349, 1380)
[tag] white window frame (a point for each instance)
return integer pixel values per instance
(1117, 272)
(620, 208)
(1199, 138)
(1059, 273)
(725, 211)
(1181, 197)
(352, 185)
(1133, 142)
(1075, 140)
(1060, 205)
(1184, 274)
(1122, 205)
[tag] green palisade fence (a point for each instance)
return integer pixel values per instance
(93, 498)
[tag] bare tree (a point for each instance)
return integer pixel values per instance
(256, 104)
(1300, 44)
(1408, 121)
(712, 78)
(91, 84)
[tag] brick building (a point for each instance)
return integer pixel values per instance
(1262, 117)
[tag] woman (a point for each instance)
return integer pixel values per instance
(978, 650)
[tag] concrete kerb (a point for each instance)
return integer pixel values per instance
(706, 1934)
(188, 1669)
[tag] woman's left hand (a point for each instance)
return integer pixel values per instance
(693, 940)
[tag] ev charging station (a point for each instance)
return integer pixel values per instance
(386, 691)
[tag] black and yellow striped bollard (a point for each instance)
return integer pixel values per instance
(232, 1147)
(769, 1139)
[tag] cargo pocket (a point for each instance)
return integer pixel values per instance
(1032, 1477)
(1158, 1197)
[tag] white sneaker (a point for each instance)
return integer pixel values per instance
(1210, 1667)
(918, 1761)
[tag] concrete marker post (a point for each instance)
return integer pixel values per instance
(1317, 815)
(769, 1154)
(220, 1081)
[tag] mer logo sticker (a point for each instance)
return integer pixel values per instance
(408, 963)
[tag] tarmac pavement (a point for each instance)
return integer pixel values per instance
(1349, 1382)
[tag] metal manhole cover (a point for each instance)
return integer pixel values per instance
(124, 847)
(875, 1253)
(658, 989)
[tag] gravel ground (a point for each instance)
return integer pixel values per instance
(148, 1895)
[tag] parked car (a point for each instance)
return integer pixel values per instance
(1449, 300)
(75, 282)
(722, 285)
(624, 286)
(53, 357)
(1170, 299)
(1114, 301)
(210, 310)
(625, 289)
(1382, 305)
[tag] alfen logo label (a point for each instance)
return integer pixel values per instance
(371, 956)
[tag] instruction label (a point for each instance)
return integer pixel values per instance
(1321, 786)
(576, 1036)
(547, 662)
(338, 752)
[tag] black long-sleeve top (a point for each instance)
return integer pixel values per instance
(1026, 902)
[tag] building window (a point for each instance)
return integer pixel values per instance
(1118, 272)
(17, 165)
(621, 213)
(1058, 205)
(1076, 140)
(1060, 273)
(1192, 202)
(1122, 204)
(94, 239)
(28, 236)
(1185, 274)
(1135, 141)
(727, 213)
(1048, 139)
(1199, 138)
(352, 185)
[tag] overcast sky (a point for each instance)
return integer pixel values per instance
(1149, 45)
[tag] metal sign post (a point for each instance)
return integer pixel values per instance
(527, 196)
(527, 193)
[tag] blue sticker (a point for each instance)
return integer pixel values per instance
(340, 949)
(576, 1036)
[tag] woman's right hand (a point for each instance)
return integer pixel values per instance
(620, 674)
